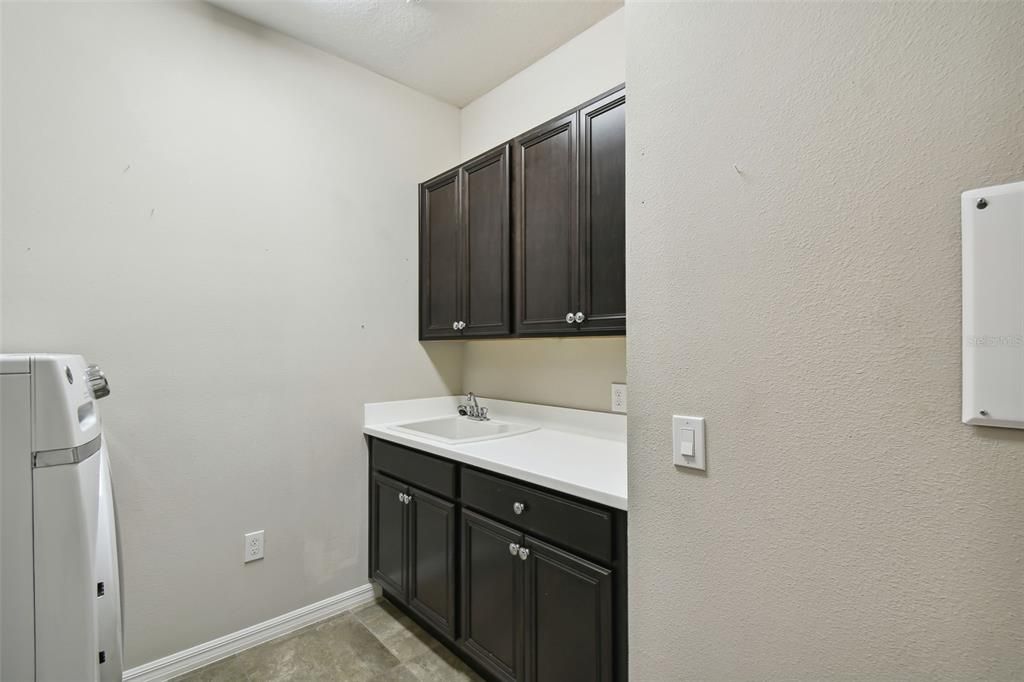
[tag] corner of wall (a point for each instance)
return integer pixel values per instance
(596, 58)
(2, 42)
(568, 372)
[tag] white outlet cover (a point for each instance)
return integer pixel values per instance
(688, 434)
(253, 546)
(618, 397)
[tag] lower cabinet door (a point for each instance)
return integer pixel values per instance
(432, 560)
(388, 534)
(492, 596)
(568, 617)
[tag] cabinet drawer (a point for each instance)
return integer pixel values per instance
(423, 471)
(571, 524)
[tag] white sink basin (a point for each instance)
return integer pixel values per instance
(462, 429)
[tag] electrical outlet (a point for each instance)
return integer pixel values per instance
(253, 546)
(618, 397)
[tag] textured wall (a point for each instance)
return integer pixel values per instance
(809, 306)
(226, 221)
(566, 372)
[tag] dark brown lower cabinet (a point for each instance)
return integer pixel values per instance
(432, 546)
(412, 553)
(532, 611)
(492, 596)
(568, 616)
(389, 538)
(537, 596)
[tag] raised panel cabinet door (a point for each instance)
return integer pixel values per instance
(568, 617)
(546, 233)
(492, 596)
(603, 214)
(440, 257)
(432, 559)
(388, 533)
(486, 296)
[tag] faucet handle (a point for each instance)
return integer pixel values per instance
(483, 413)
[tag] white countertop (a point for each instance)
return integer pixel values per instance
(577, 452)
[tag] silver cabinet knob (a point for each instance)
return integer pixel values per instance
(570, 318)
(462, 324)
(408, 499)
(580, 317)
(401, 497)
(455, 326)
(97, 382)
(513, 549)
(518, 507)
(524, 553)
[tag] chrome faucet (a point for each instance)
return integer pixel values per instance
(473, 410)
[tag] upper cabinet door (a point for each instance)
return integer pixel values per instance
(603, 214)
(486, 299)
(440, 256)
(546, 202)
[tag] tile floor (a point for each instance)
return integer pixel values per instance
(373, 642)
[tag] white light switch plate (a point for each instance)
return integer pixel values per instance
(688, 437)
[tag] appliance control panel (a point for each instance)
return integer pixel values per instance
(66, 413)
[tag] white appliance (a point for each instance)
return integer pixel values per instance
(992, 234)
(60, 591)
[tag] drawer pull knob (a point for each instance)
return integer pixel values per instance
(524, 553)
(518, 507)
(513, 549)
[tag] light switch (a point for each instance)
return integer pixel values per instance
(688, 442)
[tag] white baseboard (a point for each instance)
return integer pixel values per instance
(203, 654)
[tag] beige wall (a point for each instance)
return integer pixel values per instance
(566, 372)
(224, 219)
(587, 65)
(809, 306)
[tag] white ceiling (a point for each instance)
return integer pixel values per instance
(455, 51)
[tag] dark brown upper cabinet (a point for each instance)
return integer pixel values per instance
(546, 212)
(465, 288)
(569, 186)
(440, 256)
(547, 230)
(487, 296)
(603, 214)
